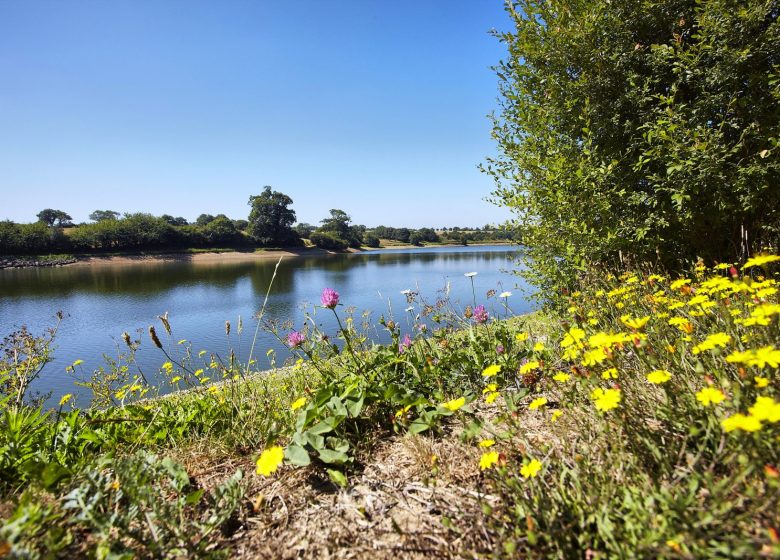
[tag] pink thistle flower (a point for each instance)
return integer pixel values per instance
(480, 314)
(405, 344)
(295, 339)
(329, 298)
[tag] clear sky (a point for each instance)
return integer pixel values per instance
(378, 108)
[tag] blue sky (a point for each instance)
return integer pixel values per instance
(185, 107)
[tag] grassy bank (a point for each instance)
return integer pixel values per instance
(640, 422)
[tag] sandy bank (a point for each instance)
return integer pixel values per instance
(199, 258)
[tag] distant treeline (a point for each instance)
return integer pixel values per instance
(269, 225)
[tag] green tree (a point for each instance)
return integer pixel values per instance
(339, 225)
(49, 216)
(101, 215)
(221, 230)
(204, 220)
(304, 230)
(639, 129)
(271, 219)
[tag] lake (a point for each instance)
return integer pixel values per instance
(101, 302)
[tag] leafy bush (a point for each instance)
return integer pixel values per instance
(639, 131)
(328, 240)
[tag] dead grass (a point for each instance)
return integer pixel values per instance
(416, 497)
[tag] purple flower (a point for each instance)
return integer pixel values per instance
(480, 314)
(405, 344)
(329, 298)
(500, 349)
(295, 339)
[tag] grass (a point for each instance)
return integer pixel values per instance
(642, 421)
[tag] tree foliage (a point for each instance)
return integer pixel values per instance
(639, 129)
(50, 216)
(271, 219)
(101, 215)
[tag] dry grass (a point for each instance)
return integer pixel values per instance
(415, 497)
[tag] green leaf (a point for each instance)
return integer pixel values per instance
(418, 426)
(332, 457)
(52, 473)
(297, 455)
(194, 497)
(338, 478)
(355, 407)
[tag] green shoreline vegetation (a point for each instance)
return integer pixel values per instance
(636, 415)
(269, 225)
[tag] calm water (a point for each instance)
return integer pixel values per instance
(101, 302)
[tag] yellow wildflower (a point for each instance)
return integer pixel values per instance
(573, 337)
(529, 366)
(593, 357)
(635, 323)
(659, 376)
(606, 399)
(677, 284)
(491, 398)
(765, 409)
(269, 460)
(491, 370)
(561, 377)
(538, 347)
(741, 422)
(168, 367)
(492, 387)
(531, 469)
(555, 415)
(488, 460)
(487, 443)
(610, 373)
(65, 398)
(761, 382)
(710, 395)
(715, 340)
(521, 337)
(454, 404)
(78, 363)
(298, 403)
(538, 403)
(760, 260)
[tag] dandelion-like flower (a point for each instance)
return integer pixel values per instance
(488, 460)
(491, 370)
(298, 403)
(760, 260)
(659, 376)
(454, 404)
(538, 403)
(295, 339)
(480, 314)
(709, 396)
(329, 298)
(606, 400)
(65, 398)
(269, 460)
(531, 469)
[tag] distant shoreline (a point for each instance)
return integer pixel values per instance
(216, 256)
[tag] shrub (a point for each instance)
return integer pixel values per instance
(328, 240)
